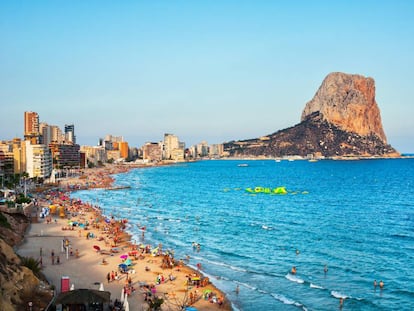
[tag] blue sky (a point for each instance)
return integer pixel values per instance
(203, 70)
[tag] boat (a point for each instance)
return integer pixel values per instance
(243, 165)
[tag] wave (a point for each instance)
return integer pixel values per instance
(338, 295)
(221, 264)
(288, 301)
(294, 278)
(315, 286)
(246, 285)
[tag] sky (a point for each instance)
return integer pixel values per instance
(210, 71)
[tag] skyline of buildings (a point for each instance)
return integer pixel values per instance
(46, 149)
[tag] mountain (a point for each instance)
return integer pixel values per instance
(342, 119)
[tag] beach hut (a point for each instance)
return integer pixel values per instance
(84, 299)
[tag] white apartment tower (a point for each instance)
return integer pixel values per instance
(38, 160)
(171, 143)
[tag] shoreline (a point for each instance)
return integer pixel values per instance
(88, 268)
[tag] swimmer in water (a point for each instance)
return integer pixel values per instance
(381, 284)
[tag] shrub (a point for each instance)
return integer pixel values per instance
(3, 221)
(33, 264)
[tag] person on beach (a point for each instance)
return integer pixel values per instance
(53, 256)
(237, 289)
(57, 260)
(108, 277)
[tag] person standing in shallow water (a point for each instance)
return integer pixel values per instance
(341, 303)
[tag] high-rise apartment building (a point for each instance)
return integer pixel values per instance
(70, 133)
(152, 152)
(50, 133)
(38, 160)
(202, 149)
(31, 127)
(65, 155)
(170, 143)
(123, 149)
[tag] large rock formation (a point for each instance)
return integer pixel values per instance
(348, 101)
(342, 119)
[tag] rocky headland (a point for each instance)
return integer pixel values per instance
(341, 120)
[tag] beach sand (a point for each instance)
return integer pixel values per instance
(87, 269)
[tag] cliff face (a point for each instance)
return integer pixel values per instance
(348, 102)
(18, 284)
(342, 119)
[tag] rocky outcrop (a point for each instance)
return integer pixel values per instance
(348, 102)
(18, 284)
(341, 120)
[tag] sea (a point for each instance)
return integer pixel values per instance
(354, 218)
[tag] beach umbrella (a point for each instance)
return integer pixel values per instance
(122, 295)
(123, 256)
(128, 262)
(207, 291)
(101, 287)
(97, 248)
(72, 287)
(190, 309)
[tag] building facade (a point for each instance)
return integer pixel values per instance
(70, 133)
(31, 126)
(94, 154)
(65, 155)
(152, 152)
(38, 160)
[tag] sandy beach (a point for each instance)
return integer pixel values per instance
(88, 248)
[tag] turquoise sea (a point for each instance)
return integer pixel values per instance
(356, 217)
